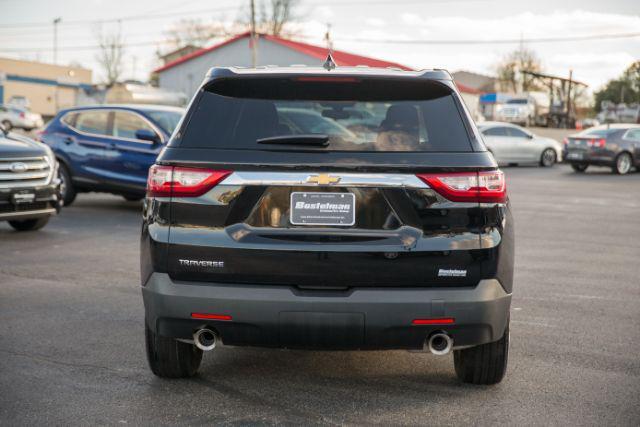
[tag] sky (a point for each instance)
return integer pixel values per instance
(410, 32)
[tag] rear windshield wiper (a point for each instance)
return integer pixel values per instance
(311, 139)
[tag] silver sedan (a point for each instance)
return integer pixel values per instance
(511, 144)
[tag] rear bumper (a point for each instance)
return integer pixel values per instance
(590, 157)
(361, 318)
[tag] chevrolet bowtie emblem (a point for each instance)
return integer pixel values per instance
(323, 179)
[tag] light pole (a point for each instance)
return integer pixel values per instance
(55, 39)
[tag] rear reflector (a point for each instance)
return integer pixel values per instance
(439, 321)
(481, 187)
(165, 181)
(209, 316)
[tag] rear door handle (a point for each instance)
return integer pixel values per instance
(68, 140)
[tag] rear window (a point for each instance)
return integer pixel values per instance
(598, 132)
(355, 116)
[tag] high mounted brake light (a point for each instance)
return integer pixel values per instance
(327, 79)
(166, 181)
(475, 187)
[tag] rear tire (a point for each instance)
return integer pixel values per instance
(623, 164)
(169, 358)
(579, 167)
(6, 124)
(30, 224)
(548, 157)
(67, 191)
(483, 364)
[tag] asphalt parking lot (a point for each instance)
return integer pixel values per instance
(71, 330)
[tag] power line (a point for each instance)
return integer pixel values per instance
(359, 40)
(498, 41)
(143, 17)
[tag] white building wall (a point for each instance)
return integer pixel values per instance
(188, 76)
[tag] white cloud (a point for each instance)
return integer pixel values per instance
(527, 24)
(375, 22)
(593, 61)
(323, 12)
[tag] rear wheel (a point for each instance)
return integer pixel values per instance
(483, 364)
(29, 224)
(548, 157)
(578, 167)
(67, 191)
(6, 124)
(169, 358)
(623, 164)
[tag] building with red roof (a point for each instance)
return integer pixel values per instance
(184, 74)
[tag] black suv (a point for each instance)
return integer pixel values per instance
(347, 209)
(29, 184)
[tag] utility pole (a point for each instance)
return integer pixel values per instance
(569, 99)
(253, 42)
(55, 39)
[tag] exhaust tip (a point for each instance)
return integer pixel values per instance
(440, 343)
(205, 339)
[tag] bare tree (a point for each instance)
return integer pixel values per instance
(272, 17)
(110, 56)
(195, 32)
(281, 13)
(509, 71)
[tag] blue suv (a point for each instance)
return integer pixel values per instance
(108, 148)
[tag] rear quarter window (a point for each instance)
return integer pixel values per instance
(355, 117)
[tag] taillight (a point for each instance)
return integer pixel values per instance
(598, 143)
(165, 181)
(482, 187)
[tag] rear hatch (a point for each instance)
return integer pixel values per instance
(326, 183)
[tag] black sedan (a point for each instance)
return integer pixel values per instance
(614, 145)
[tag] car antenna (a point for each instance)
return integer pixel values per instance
(329, 64)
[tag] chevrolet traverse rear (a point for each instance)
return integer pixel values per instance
(351, 209)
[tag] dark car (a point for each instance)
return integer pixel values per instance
(256, 234)
(109, 147)
(29, 186)
(614, 145)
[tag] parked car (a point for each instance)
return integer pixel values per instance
(614, 145)
(511, 144)
(517, 110)
(298, 120)
(109, 147)
(17, 117)
(29, 186)
(257, 235)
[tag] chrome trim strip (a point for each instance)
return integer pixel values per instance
(27, 213)
(299, 179)
(17, 176)
(6, 166)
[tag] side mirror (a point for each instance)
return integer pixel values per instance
(530, 136)
(147, 135)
